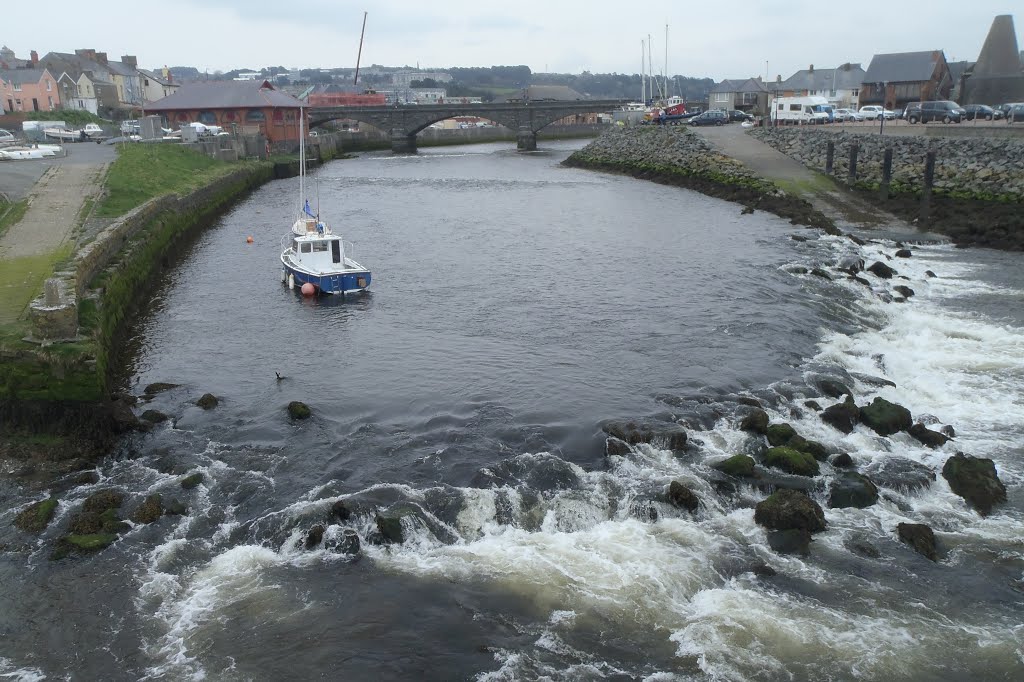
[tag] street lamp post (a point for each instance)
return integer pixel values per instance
(881, 126)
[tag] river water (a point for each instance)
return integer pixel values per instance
(516, 305)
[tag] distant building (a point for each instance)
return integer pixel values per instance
(840, 86)
(342, 96)
(247, 76)
(253, 106)
(123, 75)
(744, 95)
(404, 79)
(29, 90)
(8, 60)
(157, 86)
(897, 79)
(998, 75)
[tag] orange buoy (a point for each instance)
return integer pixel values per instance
(248, 240)
(308, 289)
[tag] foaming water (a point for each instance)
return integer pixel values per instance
(463, 398)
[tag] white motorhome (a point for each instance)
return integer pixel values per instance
(796, 110)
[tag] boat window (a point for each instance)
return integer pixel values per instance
(306, 247)
(336, 250)
(320, 246)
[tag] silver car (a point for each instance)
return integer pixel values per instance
(847, 115)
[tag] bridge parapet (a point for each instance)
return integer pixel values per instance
(403, 122)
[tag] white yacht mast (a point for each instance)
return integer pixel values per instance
(643, 74)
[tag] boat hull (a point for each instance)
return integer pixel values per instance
(348, 282)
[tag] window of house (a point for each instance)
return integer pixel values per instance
(17, 87)
(855, 92)
(145, 81)
(49, 86)
(814, 92)
(278, 115)
(254, 116)
(50, 99)
(230, 116)
(207, 117)
(721, 97)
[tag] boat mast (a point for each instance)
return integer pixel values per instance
(302, 162)
(359, 56)
(643, 74)
(666, 61)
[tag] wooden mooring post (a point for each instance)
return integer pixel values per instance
(830, 154)
(852, 176)
(883, 189)
(926, 191)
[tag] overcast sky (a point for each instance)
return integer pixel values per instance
(715, 39)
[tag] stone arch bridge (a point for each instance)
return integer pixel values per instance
(403, 122)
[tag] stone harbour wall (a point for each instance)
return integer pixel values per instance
(985, 168)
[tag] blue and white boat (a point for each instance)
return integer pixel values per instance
(313, 253)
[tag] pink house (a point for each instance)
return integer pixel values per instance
(29, 90)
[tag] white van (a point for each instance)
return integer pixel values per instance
(796, 110)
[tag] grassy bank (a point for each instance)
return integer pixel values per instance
(11, 213)
(144, 171)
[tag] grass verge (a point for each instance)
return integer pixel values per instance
(11, 213)
(144, 171)
(21, 280)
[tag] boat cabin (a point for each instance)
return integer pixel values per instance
(320, 252)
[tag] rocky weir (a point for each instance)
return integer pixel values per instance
(673, 155)
(978, 193)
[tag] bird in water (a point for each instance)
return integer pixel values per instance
(279, 377)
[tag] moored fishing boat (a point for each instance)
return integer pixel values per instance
(312, 253)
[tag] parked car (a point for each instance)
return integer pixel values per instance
(6, 135)
(848, 115)
(736, 115)
(912, 108)
(1016, 113)
(714, 117)
(975, 111)
(938, 110)
(872, 112)
(1004, 108)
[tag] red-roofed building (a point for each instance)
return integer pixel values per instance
(335, 96)
(253, 106)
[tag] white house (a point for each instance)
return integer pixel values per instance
(840, 86)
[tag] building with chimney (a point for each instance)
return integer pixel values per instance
(895, 80)
(29, 90)
(840, 86)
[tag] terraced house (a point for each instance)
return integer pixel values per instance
(29, 90)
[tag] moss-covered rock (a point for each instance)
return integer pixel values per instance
(780, 434)
(36, 517)
(975, 480)
(103, 500)
(842, 461)
(790, 509)
(158, 387)
(791, 461)
(737, 465)
(299, 410)
(192, 480)
(682, 497)
(150, 510)
(208, 401)
(756, 421)
(90, 543)
(661, 434)
(885, 418)
(842, 416)
(833, 388)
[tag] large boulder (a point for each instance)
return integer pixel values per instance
(882, 270)
(789, 509)
(791, 461)
(975, 480)
(36, 517)
(756, 421)
(299, 410)
(150, 510)
(737, 465)
(920, 537)
(667, 435)
(780, 434)
(842, 416)
(932, 439)
(208, 401)
(900, 473)
(681, 496)
(103, 500)
(314, 536)
(851, 489)
(885, 418)
(192, 480)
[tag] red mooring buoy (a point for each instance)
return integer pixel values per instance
(248, 240)
(308, 289)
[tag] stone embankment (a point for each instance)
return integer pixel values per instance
(675, 156)
(978, 187)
